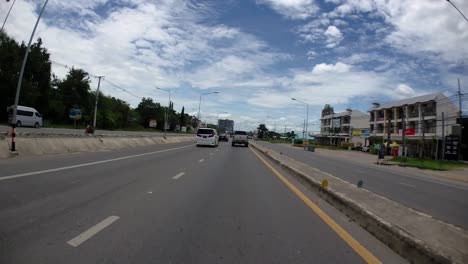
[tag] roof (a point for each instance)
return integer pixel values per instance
(413, 100)
(345, 113)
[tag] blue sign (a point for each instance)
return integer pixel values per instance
(365, 132)
(75, 114)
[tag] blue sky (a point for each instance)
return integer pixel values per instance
(257, 53)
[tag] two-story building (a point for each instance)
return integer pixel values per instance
(338, 127)
(418, 118)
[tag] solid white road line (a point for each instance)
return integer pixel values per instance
(406, 184)
(85, 164)
(178, 176)
(202, 160)
(92, 231)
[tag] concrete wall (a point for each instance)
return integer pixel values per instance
(34, 146)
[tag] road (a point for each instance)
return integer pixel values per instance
(80, 132)
(172, 203)
(441, 199)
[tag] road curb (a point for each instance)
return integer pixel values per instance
(401, 241)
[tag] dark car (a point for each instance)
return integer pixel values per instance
(223, 137)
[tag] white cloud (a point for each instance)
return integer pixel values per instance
(339, 67)
(334, 36)
(293, 9)
(404, 91)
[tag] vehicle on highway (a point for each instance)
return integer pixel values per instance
(240, 137)
(207, 137)
(25, 116)
(224, 137)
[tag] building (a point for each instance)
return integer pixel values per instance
(337, 128)
(225, 126)
(417, 120)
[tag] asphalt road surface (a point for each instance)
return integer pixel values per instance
(80, 132)
(173, 203)
(444, 200)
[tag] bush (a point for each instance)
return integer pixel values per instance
(298, 141)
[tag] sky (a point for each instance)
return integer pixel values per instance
(258, 54)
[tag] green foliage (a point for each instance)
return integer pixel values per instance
(298, 141)
(430, 164)
(262, 131)
(54, 97)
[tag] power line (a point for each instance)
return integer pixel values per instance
(122, 89)
(458, 10)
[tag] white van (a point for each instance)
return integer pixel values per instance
(25, 116)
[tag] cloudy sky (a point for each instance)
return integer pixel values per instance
(256, 53)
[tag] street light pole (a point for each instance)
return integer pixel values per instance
(20, 79)
(199, 103)
(307, 114)
(166, 116)
(8, 14)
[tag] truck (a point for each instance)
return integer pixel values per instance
(240, 137)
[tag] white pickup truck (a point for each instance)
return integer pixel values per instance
(240, 137)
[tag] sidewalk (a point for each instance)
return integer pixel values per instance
(418, 237)
(369, 159)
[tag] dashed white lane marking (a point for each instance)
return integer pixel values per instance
(92, 231)
(85, 164)
(211, 153)
(178, 175)
(202, 160)
(406, 184)
(149, 192)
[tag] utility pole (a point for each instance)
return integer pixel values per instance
(97, 98)
(20, 79)
(460, 119)
(330, 129)
(443, 136)
(389, 132)
(421, 153)
(403, 136)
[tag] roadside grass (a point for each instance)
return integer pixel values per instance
(429, 164)
(132, 129)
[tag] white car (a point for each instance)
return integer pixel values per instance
(25, 116)
(207, 137)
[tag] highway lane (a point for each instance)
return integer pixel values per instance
(80, 132)
(183, 205)
(439, 199)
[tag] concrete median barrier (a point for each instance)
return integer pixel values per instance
(415, 236)
(35, 146)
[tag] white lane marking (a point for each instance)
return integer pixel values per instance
(149, 192)
(178, 176)
(211, 153)
(92, 231)
(406, 184)
(202, 160)
(86, 164)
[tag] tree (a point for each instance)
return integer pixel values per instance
(262, 131)
(182, 117)
(147, 109)
(327, 110)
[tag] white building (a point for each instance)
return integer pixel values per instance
(418, 117)
(339, 127)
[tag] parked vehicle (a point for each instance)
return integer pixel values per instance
(25, 116)
(240, 137)
(207, 137)
(223, 137)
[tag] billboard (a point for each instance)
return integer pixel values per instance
(75, 113)
(152, 123)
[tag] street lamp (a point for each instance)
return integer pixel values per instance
(167, 109)
(20, 79)
(199, 103)
(307, 115)
(8, 14)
